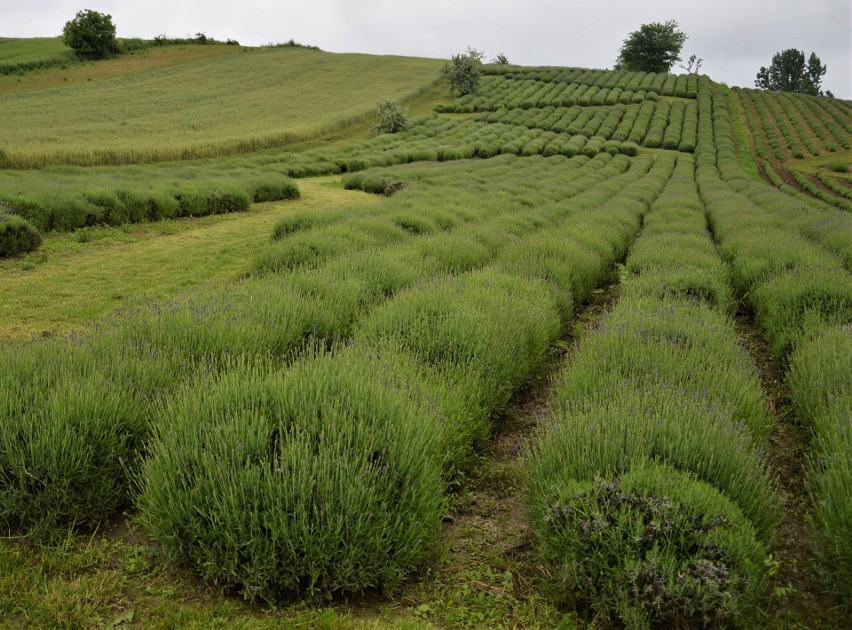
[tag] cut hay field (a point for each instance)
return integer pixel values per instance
(233, 103)
(560, 353)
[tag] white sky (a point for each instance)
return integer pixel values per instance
(734, 37)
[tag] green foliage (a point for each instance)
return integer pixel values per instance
(789, 72)
(463, 75)
(91, 35)
(652, 547)
(17, 235)
(375, 183)
(390, 118)
(838, 165)
(655, 47)
(71, 429)
(822, 396)
(323, 478)
(273, 189)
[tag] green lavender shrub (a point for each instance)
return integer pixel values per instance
(654, 546)
(17, 235)
(319, 479)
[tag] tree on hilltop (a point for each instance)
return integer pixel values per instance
(91, 35)
(655, 47)
(789, 72)
(462, 76)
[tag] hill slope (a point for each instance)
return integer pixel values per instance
(230, 104)
(307, 430)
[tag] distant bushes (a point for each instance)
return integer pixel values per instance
(71, 211)
(273, 189)
(373, 183)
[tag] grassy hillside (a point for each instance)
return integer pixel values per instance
(575, 364)
(19, 54)
(232, 104)
(67, 72)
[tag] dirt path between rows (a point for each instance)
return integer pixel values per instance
(799, 598)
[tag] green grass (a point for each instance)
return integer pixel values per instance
(259, 99)
(341, 395)
(76, 277)
(18, 55)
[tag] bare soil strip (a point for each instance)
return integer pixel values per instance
(486, 531)
(807, 604)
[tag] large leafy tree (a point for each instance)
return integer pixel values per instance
(655, 47)
(789, 72)
(91, 35)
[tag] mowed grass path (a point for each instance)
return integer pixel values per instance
(69, 283)
(230, 104)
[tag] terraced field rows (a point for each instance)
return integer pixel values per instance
(793, 126)
(303, 431)
(648, 479)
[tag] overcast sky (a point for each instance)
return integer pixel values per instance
(734, 37)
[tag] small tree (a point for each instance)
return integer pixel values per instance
(390, 117)
(91, 35)
(501, 60)
(462, 76)
(692, 65)
(788, 72)
(654, 47)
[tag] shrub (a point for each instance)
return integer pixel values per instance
(273, 189)
(390, 118)
(629, 148)
(463, 75)
(69, 434)
(376, 184)
(199, 202)
(838, 166)
(324, 478)
(17, 235)
(655, 546)
(91, 35)
(114, 212)
(162, 206)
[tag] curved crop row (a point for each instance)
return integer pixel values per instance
(648, 479)
(835, 116)
(661, 84)
(598, 121)
(455, 349)
(67, 198)
(844, 190)
(827, 196)
(527, 94)
(106, 384)
(802, 298)
(61, 209)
